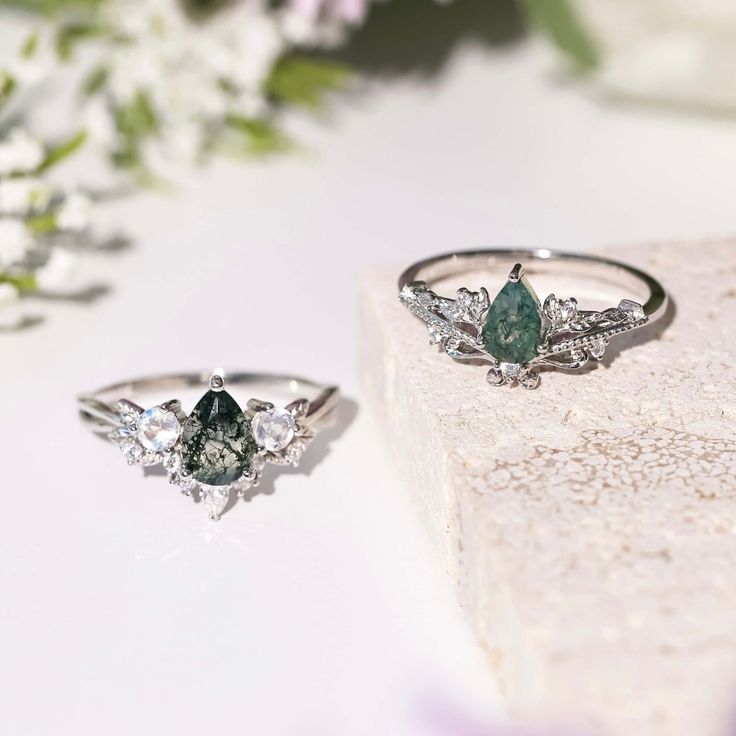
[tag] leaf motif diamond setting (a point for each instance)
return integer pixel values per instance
(562, 336)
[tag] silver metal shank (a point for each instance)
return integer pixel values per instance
(98, 408)
(542, 260)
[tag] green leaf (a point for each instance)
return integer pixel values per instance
(49, 7)
(28, 49)
(7, 86)
(24, 282)
(137, 120)
(70, 34)
(262, 137)
(58, 153)
(43, 224)
(559, 21)
(305, 81)
(95, 80)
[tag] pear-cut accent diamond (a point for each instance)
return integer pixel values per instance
(217, 444)
(158, 429)
(274, 429)
(513, 326)
(215, 499)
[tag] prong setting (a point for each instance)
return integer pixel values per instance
(217, 382)
(516, 274)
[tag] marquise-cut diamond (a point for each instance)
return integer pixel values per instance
(274, 429)
(158, 429)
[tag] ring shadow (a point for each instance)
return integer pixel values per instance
(345, 414)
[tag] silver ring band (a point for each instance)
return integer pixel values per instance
(516, 333)
(97, 409)
(588, 266)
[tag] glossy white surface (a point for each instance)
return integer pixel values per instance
(317, 609)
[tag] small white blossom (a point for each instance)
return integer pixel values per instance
(33, 68)
(99, 124)
(15, 241)
(56, 273)
(19, 196)
(74, 213)
(20, 153)
(8, 295)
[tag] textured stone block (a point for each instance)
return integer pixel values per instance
(590, 524)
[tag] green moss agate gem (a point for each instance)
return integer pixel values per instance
(513, 324)
(217, 442)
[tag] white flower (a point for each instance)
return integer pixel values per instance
(15, 241)
(99, 123)
(74, 213)
(33, 68)
(20, 153)
(23, 195)
(8, 295)
(56, 273)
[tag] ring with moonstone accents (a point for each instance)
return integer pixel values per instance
(219, 450)
(515, 333)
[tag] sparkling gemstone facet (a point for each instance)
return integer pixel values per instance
(513, 325)
(158, 429)
(215, 499)
(274, 429)
(217, 442)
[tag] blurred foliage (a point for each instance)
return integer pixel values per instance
(50, 7)
(57, 153)
(24, 282)
(558, 20)
(420, 36)
(304, 81)
(254, 137)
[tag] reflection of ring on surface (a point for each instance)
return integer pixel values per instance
(218, 448)
(515, 333)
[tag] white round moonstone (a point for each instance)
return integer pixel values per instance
(158, 429)
(274, 429)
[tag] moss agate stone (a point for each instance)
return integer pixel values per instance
(217, 442)
(513, 325)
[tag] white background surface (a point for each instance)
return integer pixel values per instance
(317, 609)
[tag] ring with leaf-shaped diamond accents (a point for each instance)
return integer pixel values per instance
(516, 333)
(219, 450)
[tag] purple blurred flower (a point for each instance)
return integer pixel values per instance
(440, 718)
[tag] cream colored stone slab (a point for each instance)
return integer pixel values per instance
(590, 524)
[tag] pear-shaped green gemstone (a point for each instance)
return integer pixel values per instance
(513, 325)
(217, 442)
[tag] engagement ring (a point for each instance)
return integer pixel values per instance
(516, 333)
(218, 449)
